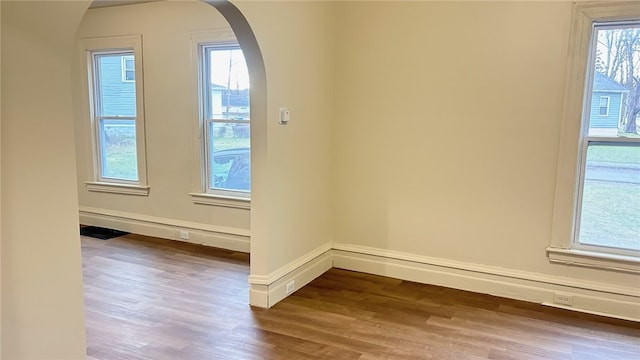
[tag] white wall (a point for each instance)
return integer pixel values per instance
(462, 170)
(452, 116)
(434, 125)
(293, 196)
(293, 220)
(296, 40)
(0, 187)
(446, 137)
(171, 123)
(42, 307)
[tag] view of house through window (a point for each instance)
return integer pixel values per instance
(608, 216)
(226, 120)
(115, 115)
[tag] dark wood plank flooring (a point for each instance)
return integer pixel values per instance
(148, 298)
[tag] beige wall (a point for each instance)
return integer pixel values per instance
(447, 129)
(434, 146)
(170, 110)
(296, 41)
(42, 311)
(435, 126)
(0, 183)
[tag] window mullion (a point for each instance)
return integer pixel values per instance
(117, 117)
(228, 121)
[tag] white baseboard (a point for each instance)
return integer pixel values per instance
(216, 236)
(266, 291)
(259, 296)
(590, 297)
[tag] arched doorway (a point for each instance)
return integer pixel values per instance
(37, 50)
(218, 12)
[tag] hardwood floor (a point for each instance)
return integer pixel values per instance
(148, 298)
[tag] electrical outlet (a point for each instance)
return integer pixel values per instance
(563, 299)
(291, 287)
(184, 235)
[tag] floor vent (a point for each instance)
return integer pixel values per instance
(101, 233)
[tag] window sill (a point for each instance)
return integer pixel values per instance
(593, 259)
(223, 201)
(114, 188)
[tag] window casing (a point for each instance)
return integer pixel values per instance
(598, 183)
(115, 107)
(224, 120)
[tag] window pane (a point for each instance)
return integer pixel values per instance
(115, 96)
(130, 75)
(614, 107)
(128, 62)
(118, 149)
(230, 156)
(610, 213)
(228, 83)
(604, 106)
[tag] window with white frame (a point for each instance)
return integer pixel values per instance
(597, 215)
(603, 108)
(114, 94)
(128, 69)
(608, 202)
(225, 120)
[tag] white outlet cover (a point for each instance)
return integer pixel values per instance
(291, 286)
(563, 299)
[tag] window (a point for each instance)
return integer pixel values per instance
(597, 216)
(608, 206)
(603, 108)
(128, 69)
(114, 95)
(115, 118)
(225, 120)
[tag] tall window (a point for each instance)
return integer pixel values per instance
(115, 117)
(226, 120)
(608, 216)
(596, 215)
(115, 112)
